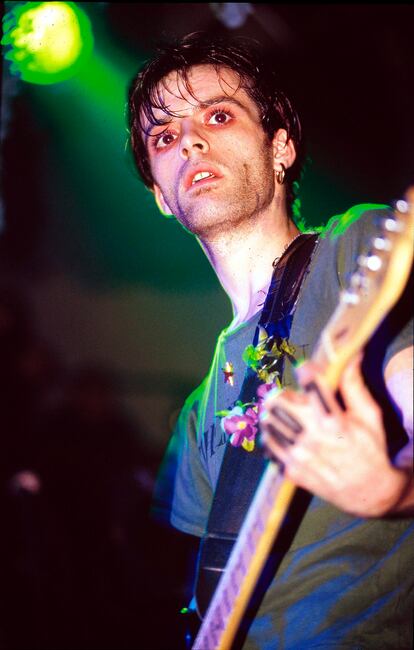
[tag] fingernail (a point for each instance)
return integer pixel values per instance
(313, 386)
(278, 436)
(287, 419)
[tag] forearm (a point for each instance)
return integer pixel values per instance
(396, 488)
(399, 380)
(403, 465)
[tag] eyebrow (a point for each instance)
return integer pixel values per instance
(218, 100)
(200, 106)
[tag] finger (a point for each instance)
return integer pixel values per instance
(269, 454)
(314, 388)
(274, 447)
(275, 431)
(281, 423)
(307, 371)
(356, 396)
(293, 460)
(278, 436)
(323, 400)
(310, 377)
(287, 419)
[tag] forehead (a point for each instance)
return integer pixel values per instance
(203, 83)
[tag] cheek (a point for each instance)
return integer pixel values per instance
(162, 172)
(252, 150)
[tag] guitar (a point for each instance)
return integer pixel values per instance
(373, 290)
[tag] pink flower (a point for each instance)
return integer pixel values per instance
(240, 426)
(264, 389)
(262, 393)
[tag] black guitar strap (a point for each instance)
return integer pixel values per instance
(241, 471)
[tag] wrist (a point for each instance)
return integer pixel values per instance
(398, 493)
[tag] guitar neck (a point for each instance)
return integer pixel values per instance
(246, 562)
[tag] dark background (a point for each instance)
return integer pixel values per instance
(109, 312)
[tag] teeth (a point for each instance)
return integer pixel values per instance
(200, 176)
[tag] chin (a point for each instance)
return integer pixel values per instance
(213, 222)
(201, 214)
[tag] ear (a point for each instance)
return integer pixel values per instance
(161, 202)
(283, 150)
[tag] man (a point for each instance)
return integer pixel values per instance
(220, 146)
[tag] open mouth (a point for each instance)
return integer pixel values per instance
(201, 176)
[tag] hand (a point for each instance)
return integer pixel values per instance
(339, 454)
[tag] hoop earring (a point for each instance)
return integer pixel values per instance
(280, 175)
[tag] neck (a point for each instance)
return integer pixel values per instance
(242, 259)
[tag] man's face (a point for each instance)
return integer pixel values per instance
(212, 164)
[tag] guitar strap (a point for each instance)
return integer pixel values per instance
(241, 471)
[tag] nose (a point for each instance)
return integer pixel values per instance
(192, 143)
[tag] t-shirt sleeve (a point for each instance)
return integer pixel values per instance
(183, 493)
(352, 233)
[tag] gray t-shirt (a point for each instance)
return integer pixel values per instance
(344, 581)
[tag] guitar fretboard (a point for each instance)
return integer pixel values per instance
(247, 558)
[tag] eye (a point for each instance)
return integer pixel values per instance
(219, 116)
(163, 139)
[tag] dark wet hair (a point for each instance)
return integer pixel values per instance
(257, 78)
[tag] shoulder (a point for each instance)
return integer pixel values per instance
(358, 221)
(346, 235)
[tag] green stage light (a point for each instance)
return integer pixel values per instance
(48, 41)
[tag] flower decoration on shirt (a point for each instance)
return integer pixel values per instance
(264, 358)
(263, 391)
(241, 423)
